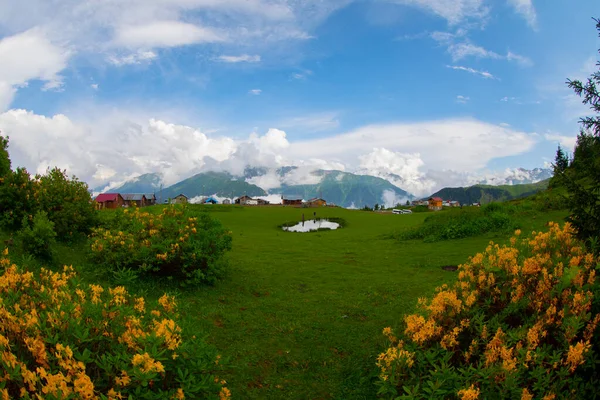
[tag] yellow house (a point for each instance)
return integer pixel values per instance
(435, 203)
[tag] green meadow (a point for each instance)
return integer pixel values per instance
(300, 315)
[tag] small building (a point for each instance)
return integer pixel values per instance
(454, 203)
(262, 202)
(435, 203)
(180, 199)
(420, 203)
(134, 199)
(251, 202)
(210, 200)
(242, 200)
(150, 199)
(295, 201)
(227, 202)
(109, 200)
(316, 202)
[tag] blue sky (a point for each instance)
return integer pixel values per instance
(408, 87)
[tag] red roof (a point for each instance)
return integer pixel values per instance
(436, 199)
(106, 197)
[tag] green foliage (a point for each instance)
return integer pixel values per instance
(61, 339)
(173, 243)
(484, 194)
(38, 236)
(518, 323)
(4, 157)
(67, 202)
(17, 198)
(561, 161)
(462, 223)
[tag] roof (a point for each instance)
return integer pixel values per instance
(133, 196)
(292, 197)
(436, 199)
(244, 197)
(211, 200)
(101, 198)
(150, 196)
(315, 199)
(181, 195)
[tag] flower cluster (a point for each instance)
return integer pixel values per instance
(516, 323)
(62, 339)
(172, 242)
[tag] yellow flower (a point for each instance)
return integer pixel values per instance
(224, 394)
(526, 395)
(576, 355)
(147, 363)
(472, 393)
(179, 394)
(124, 380)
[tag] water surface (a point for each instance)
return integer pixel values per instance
(312, 225)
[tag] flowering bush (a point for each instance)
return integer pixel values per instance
(516, 324)
(63, 340)
(39, 238)
(172, 243)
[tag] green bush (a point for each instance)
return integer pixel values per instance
(38, 237)
(173, 243)
(461, 223)
(61, 339)
(518, 323)
(67, 202)
(17, 198)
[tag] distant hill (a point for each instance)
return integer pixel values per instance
(147, 183)
(346, 189)
(486, 193)
(207, 183)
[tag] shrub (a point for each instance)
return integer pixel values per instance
(17, 198)
(60, 339)
(456, 224)
(516, 324)
(67, 202)
(172, 243)
(38, 239)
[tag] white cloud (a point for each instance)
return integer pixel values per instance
(302, 75)
(94, 86)
(526, 9)
(115, 147)
(462, 99)
(484, 74)
(462, 50)
(390, 199)
(454, 11)
(567, 142)
(165, 34)
(524, 61)
(239, 59)
(139, 57)
(317, 122)
(255, 92)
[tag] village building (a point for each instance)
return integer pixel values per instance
(227, 202)
(262, 202)
(180, 199)
(242, 200)
(134, 199)
(150, 199)
(210, 200)
(316, 202)
(295, 201)
(435, 203)
(109, 200)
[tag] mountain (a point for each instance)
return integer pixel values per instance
(486, 193)
(518, 176)
(207, 183)
(147, 183)
(346, 189)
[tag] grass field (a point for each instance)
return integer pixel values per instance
(300, 315)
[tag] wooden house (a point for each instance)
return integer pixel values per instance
(435, 203)
(226, 201)
(109, 200)
(262, 202)
(150, 199)
(295, 201)
(180, 199)
(316, 202)
(134, 199)
(242, 200)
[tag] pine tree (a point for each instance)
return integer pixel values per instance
(561, 162)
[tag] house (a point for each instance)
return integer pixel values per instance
(227, 202)
(210, 200)
(109, 200)
(262, 202)
(454, 203)
(134, 199)
(292, 201)
(242, 200)
(435, 203)
(420, 203)
(180, 199)
(316, 202)
(150, 199)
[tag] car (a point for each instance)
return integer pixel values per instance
(396, 211)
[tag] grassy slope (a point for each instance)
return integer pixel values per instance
(300, 315)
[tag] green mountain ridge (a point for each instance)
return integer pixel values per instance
(487, 193)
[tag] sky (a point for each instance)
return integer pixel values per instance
(437, 92)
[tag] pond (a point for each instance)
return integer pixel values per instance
(312, 225)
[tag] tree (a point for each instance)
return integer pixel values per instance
(561, 161)
(407, 203)
(4, 158)
(582, 178)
